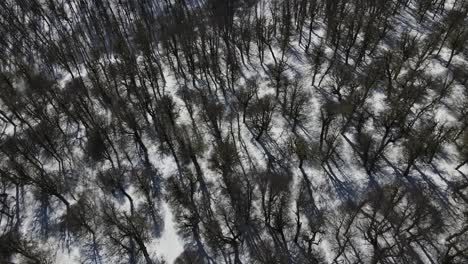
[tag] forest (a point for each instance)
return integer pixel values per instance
(233, 131)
